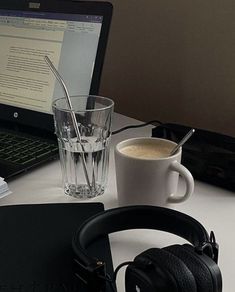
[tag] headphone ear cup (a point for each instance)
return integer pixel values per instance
(202, 273)
(169, 273)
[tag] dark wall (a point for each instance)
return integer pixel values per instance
(173, 61)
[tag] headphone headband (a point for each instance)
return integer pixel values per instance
(92, 271)
(137, 217)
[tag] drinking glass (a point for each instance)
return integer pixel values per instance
(84, 158)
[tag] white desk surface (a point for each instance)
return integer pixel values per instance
(212, 206)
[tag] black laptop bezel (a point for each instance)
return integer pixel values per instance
(16, 117)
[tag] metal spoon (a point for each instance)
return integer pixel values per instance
(186, 137)
(62, 83)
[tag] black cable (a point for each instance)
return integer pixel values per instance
(136, 126)
(118, 268)
(112, 280)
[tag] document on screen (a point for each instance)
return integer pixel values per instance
(25, 79)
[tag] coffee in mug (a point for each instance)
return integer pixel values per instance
(146, 150)
(147, 173)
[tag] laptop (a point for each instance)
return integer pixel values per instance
(73, 35)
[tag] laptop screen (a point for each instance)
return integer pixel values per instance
(69, 40)
(72, 34)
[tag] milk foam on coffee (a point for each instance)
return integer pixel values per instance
(147, 150)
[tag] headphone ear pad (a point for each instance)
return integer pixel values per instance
(199, 269)
(167, 271)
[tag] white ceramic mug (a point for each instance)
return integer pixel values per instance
(146, 173)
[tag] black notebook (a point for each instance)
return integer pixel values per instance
(35, 247)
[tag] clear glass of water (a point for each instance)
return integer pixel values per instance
(85, 159)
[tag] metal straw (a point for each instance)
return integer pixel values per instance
(62, 83)
(186, 137)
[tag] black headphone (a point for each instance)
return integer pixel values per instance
(182, 268)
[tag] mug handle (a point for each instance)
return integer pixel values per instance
(185, 173)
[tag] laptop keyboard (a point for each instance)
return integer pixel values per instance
(23, 150)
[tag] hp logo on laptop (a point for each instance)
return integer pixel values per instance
(15, 115)
(34, 5)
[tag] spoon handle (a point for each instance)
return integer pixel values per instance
(186, 137)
